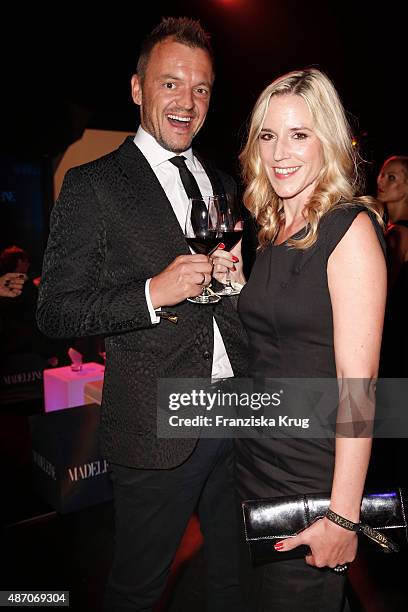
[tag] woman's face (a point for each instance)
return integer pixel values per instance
(290, 150)
(392, 183)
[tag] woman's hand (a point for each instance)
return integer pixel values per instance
(330, 544)
(11, 284)
(224, 261)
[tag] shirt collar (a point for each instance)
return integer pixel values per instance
(155, 153)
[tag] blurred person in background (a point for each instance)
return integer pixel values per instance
(392, 193)
(23, 346)
(392, 183)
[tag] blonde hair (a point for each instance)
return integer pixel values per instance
(338, 181)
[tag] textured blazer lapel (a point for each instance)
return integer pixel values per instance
(153, 201)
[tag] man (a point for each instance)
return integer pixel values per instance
(116, 261)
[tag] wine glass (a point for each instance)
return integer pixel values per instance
(230, 230)
(202, 235)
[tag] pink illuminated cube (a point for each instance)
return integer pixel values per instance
(64, 388)
(93, 392)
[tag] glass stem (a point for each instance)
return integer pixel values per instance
(228, 285)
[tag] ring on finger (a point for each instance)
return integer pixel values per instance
(339, 569)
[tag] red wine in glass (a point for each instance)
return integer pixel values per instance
(204, 242)
(230, 239)
(230, 231)
(202, 235)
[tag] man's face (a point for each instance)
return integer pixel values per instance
(175, 93)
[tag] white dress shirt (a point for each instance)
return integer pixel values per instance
(169, 178)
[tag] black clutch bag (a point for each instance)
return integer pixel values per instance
(383, 522)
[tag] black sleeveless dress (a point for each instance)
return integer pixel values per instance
(286, 310)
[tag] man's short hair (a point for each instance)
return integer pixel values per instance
(180, 29)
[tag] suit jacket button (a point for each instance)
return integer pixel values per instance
(207, 355)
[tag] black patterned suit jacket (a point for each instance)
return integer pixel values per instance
(111, 229)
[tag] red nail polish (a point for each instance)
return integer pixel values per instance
(278, 546)
(221, 245)
(235, 259)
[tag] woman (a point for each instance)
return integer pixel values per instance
(392, 192)
(313, 308)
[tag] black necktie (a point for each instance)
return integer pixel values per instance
(187, 177)
(192, 190)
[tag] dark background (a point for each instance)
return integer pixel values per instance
(67, 66)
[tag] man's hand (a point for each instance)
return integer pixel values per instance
(183, 278)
